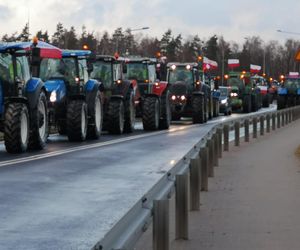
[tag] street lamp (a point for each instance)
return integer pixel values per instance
(137, 29)
(288, 32)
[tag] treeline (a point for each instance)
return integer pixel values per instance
(274, 57)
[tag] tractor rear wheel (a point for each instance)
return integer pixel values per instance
(166, 116)
(77, 120)
(198, 109)
(115, 116)
(39, 128)
(151, 113)
(95, 126)
(129, 113)
(16, 128)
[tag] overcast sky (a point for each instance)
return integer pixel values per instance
(234, 19)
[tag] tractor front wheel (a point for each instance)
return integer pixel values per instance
(16, 128)
(151, 113)
(115, 116)
(77, 120)
(129, 113)
(95, 126)
(198, 109)
(166, 116)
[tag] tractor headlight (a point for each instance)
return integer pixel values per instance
(234, 94)
(53, 96)
(224, 101)
(173, 97)
(182, 98)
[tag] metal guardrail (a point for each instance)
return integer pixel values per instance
(193, 169)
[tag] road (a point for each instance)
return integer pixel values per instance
(68, 196)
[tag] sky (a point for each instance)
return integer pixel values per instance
(233, 19)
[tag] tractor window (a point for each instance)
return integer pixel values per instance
(137, 71)
(6, 67)
(68, 66)
(117, 71)
(22, 70)
(180, 75)
(152, 73)
(50, 68)
(83, 72)
(102, 72)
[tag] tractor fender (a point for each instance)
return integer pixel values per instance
(282, 91)
(32, 91)
(159, 89)
(122, 88)
(58, 86)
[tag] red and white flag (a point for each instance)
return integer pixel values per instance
(255, 68)
(233, 63)
(209, 64)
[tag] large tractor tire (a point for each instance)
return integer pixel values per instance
(247, 104)
(165, 119)
(254, 103)
(16, 128)
(77, 120)
(281, 103)
(129, 113)
(151, 113)
(96, 118)
(198, 109)
(115, 116)
(39, 124)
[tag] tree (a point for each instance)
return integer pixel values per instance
(24, 35)
(43, 36)
(58, 36)
(105, 45)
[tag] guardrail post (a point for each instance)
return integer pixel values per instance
(182, 206)
(268, 123)
(219, 133)
(237, 134)
(204, 168)
(210, 158)
(246, 126)
(273, 121)
(282, 119)
(195, 179)
(161, 224)
(293, 114)
(226, 137)
(278, 120)
(262, 125)
(254, 123)
(287, 117)
(216, 149)
(290, 116)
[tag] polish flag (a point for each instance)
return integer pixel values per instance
(233, 63)
(255, 68)
(209, 64)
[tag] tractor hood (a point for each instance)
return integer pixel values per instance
(58, 86)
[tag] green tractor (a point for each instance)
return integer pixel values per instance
(245, 96)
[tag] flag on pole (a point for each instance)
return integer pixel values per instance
(233, 63)
(255, 68)
(209, 64)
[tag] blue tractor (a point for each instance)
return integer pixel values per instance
(74, 100)
(23, 103)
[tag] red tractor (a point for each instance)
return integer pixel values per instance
(153, 104)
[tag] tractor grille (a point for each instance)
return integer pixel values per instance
(179, 88)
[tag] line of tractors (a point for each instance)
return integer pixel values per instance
(79, 94)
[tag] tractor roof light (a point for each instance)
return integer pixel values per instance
(226, 76)
(173, 67)
(85, 47)
(35, 41)
(242, 76)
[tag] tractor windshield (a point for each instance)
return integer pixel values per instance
(137, 71)
(6, 67)
(181, 75)
(102, 71)
(235, 81)
(292, 83)
(58, 68)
